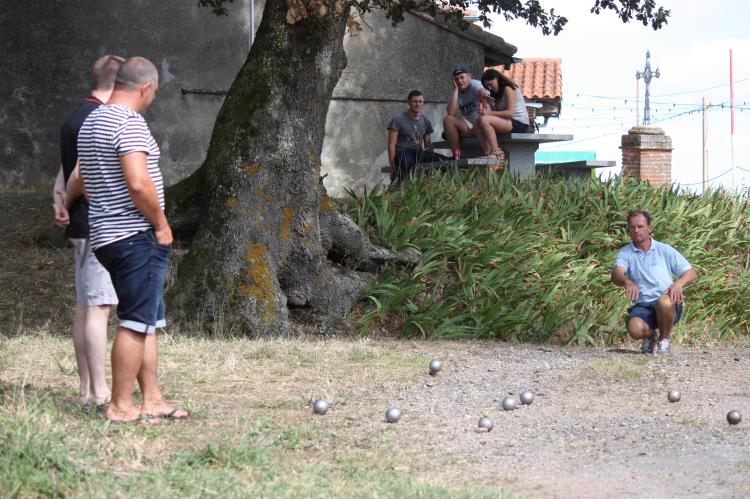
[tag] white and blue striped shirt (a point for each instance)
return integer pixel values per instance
(109, 133)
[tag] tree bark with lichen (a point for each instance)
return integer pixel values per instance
(260, 224)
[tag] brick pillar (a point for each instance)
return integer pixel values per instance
(647, 155)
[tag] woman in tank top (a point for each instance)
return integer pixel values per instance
(507, 113)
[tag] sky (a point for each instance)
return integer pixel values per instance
(600, 57)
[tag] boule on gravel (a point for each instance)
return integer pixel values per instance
(527, 397)
(485, 423)
(320, 406)
(734, 417)
(509, 403)
(392, 415)
(674, 396)
(435, 366)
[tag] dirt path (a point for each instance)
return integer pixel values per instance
(600, 425)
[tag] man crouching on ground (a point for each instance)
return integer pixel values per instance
(645, 268)
(119, 162)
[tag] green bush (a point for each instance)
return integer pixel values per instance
(524, 260)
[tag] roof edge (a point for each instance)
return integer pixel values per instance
(497, 50)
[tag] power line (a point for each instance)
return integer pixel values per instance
(709, 180)
(620, 130)
(620, 97)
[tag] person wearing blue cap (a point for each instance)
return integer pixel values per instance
(463, 109)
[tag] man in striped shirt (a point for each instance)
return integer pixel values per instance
(119, 162)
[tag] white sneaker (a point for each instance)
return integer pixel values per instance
(663, 347)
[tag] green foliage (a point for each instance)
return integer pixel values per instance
(531, 260)
(530, 11)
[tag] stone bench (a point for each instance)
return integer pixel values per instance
(519, 148)
(577, 170)
(461, 164)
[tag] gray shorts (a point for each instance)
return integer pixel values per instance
(93, 285)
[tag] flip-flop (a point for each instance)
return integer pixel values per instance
(103, 406)
(172, 416)
(143, 420)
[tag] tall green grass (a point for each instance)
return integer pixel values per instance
(527, 260)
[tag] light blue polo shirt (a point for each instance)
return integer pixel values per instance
(652, 272)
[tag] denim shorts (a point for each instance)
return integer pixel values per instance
(137, 266)
(647, 312)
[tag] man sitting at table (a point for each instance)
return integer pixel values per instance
(409, 141)
(463, 109)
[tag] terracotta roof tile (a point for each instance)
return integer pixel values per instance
(539, 79)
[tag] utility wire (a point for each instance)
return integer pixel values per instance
(623, 129)
(709, 180)
(620, 97)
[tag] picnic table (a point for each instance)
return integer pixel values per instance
(519, 148)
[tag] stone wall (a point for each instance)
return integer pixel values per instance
(49, 48)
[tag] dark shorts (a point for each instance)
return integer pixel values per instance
(137, 266)
(519, 127)
(647, 312)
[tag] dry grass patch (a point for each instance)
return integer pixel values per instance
(251, 429)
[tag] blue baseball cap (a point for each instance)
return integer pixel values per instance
(460, 69)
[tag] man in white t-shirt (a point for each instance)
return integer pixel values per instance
(463, 109)
(130, 235)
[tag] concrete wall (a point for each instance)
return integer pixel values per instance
(384, 64)
(49, 48)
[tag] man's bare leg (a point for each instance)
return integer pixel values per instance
(79, 346)
(665, 314)
(96, 351)
(639, 330)
(153, 400)
(455, 128)
(127, 358)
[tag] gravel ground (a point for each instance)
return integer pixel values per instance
(600, 424)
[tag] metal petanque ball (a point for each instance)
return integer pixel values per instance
(509, 403)
(527, 397)
(734, 417)
(485, 423)
(392, 415)
(673, 396)
(320, 406)
(435, 366)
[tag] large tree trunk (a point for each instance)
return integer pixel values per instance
(262, 224)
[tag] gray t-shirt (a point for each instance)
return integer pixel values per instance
(468, 101)
(410, 131)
